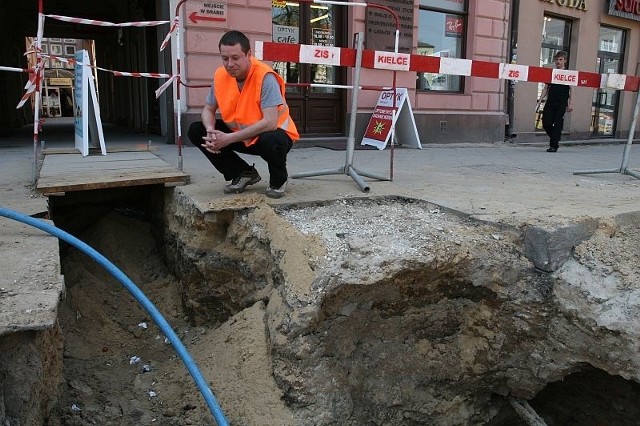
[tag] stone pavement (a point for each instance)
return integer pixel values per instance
(512, 184)
(502, 182)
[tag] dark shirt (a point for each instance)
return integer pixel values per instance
(558, 95)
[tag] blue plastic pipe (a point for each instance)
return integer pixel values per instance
(216, 411)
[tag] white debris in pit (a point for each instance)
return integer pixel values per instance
(377, 229)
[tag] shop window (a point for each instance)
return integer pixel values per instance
(297, 23)
(556, 36)
(442, 28)
(610, 59)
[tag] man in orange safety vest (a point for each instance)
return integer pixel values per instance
(250, 97)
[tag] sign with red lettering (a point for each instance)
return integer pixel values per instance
(327, 55)
(391, 61)
(453, 26)
(629, 9)
(566, 77)
(514, 72)
(384, 123)
(206, 13)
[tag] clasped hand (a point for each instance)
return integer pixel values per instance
(215, 140)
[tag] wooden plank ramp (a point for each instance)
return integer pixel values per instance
(68, 172)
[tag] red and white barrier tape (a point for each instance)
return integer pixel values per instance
(138, 74)
(115, 73)
(13, 69)
(106, 23)
(30, 86)
(174, 26)
(165, 85)
(340, 56)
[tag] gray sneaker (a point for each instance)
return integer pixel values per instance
(240, 183)
(272, 192)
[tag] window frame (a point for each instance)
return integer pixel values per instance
(463, 47)
(566, 39)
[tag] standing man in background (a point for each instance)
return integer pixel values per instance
(558, 102)
(250, 97)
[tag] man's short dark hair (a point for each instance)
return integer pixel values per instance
(560, 54)
(233, 37)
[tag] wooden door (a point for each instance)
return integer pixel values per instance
(315, 110)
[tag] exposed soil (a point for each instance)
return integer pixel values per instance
(118, 368)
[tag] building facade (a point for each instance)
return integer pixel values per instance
(446, 108)
(600, 36)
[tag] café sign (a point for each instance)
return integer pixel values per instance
(574, 4)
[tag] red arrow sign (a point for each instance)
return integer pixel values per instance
(194, 17)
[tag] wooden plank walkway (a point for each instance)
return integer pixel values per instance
(68, 172)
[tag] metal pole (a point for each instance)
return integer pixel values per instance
(624, 166)
(632, 131)
(627, 149)
(348, 165)
(37, 94)
(177, 83)
(354, 102)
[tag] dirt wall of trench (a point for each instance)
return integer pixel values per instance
(30, 373)
(394, 311)
(378, 311)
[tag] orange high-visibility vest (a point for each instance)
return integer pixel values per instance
(240, 109)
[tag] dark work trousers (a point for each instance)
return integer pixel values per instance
(552, 122)
(272, 147)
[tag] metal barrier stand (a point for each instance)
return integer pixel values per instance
(348, 168)
(624, 167)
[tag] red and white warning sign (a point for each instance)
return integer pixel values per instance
(327, 55)
(567, 77)
(391, 61)
(206, 13)
(382, 121)
(514, 72)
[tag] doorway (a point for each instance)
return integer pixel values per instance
(604, 106)
(315, 110)
(556, 36)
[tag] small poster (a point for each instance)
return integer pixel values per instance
(383, 123)
(453, 26)
(285, 34)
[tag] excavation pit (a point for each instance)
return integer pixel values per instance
(375, 310)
